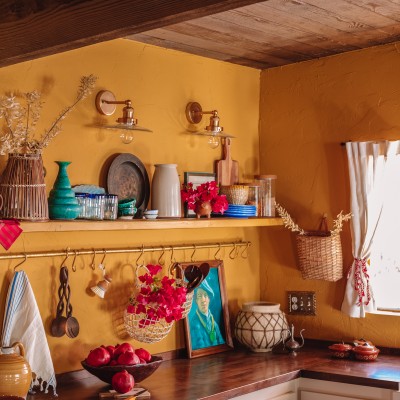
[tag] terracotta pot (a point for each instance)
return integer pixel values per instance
(203, 208)
(259, 325)
(15, 372)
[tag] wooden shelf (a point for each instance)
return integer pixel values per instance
(183, 223)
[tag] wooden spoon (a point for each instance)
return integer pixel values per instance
(72, 324)
(58, 325)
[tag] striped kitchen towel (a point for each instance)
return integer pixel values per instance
(23, 323)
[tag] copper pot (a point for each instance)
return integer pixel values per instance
(15, 372)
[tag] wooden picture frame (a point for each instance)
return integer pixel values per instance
(197, 178)
(199, 339)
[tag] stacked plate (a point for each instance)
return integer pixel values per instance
(240, 211)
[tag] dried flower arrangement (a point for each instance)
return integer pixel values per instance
(21, 118)
(290, 224)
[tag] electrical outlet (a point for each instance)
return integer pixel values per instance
(302, 303)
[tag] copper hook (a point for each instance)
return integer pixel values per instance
(233, 256)
(93, 265)
(172, 255)
(192, 256)
(66, 257)
(217, 252)
(104, 257)
(140, 256)
(73, 262)
(245, 251)
(26, 257)
(160, 262)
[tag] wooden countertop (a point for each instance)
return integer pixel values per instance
(237, 372)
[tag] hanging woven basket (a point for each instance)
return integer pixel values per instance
(144, 329)
(319, 252)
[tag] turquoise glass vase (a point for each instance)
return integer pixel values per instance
(62, 201)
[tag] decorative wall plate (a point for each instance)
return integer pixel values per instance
(127, 178)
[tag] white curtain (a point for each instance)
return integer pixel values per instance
(368, 166)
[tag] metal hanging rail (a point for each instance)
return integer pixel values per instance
(143, 249)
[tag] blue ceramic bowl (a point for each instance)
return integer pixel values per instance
(126, 203)
(123, 212)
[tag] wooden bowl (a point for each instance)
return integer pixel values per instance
(138, 371)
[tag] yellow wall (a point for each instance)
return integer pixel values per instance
(306, 111)
(160, 83)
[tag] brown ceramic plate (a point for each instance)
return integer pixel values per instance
(127, 178)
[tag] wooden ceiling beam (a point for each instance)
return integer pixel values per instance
(33, 29)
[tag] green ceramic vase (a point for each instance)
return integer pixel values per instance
(62, 201)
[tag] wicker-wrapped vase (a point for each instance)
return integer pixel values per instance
(23, 189)
(259, 325)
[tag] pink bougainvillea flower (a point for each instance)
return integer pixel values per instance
(208, 191)
(157, 298)
(153, 269)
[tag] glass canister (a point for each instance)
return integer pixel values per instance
(110, 206)
(254, 197)
(267, 194)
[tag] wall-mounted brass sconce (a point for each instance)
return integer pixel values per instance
(194, 114)
(106, 104)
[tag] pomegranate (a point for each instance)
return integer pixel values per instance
(111, 350)
(128, 358)
(123, 348)
(123, 382)
(98, 357)
(144, 354)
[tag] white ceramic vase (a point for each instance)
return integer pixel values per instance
(165, 191)
(259, 325)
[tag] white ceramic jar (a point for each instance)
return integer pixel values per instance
(165, 191)
(259, 325)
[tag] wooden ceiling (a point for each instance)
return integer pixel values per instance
(248, 32)
(279, 32)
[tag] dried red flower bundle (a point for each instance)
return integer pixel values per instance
(207, 191)
(157, 298)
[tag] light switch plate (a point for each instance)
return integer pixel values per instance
(302, 303)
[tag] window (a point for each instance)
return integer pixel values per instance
(384, 269)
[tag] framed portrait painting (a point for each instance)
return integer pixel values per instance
(197, 178)
(207, 328)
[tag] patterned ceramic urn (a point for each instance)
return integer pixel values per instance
(259, 325)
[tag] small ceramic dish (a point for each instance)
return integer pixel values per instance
(365, 351)
(340, 350)
(150, 214)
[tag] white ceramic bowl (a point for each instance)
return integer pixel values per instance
(150, 216)
(151, 212)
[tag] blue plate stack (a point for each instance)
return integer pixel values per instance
(240, 211)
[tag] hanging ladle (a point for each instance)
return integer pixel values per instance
(59, 323)
(72, 324)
